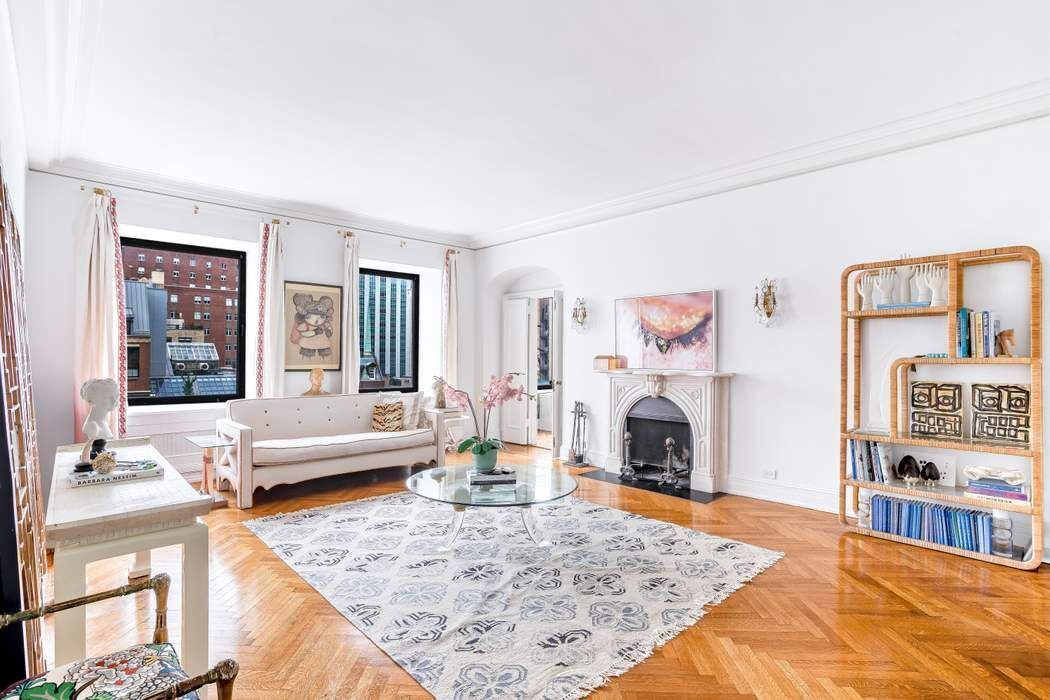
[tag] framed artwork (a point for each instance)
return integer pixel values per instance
(313, 326)
(1001, 412)
(671, 331)
(936, 409)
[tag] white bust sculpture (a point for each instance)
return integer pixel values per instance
(101, 395)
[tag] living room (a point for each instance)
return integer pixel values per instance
(493, 350)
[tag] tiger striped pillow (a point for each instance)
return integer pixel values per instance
(387, 417)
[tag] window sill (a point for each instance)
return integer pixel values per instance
(218, 406)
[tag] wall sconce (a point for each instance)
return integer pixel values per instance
(579, 314)
(766, 307)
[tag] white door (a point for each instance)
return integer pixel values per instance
(514, 415)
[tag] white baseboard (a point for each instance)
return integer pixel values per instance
(825, 500)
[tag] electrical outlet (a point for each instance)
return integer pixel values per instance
(769, 474)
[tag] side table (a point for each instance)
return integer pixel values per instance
(210, 445)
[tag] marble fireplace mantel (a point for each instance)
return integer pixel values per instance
(702, 396)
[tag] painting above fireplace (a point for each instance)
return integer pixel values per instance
(670, 331)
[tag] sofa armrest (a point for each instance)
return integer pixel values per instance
(240, 457)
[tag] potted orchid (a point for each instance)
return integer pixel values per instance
(497, 392)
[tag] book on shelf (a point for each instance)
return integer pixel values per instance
(988, 487)
(951, 526)
(870, 461)
(125, 471)
(976, 333)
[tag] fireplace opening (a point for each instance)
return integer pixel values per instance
(657, 444)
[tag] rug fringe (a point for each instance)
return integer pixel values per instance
(633, 658)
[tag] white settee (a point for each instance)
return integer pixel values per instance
(285, 441)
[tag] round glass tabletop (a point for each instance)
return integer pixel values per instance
(451, 484)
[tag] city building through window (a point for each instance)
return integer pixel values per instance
(389, 321)
(171, 355)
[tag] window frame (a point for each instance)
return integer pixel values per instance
(242, 262)
(414, 278)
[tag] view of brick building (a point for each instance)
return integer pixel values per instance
(202, 295)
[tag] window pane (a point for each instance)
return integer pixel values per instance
(171, 356)
(389, 330)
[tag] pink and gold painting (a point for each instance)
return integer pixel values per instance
(672, 331)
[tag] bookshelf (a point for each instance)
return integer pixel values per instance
(899, 370)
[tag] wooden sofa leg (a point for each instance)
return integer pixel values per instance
(244, 499)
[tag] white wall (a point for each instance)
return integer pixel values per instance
(12, 127)
(313, 253)
(978, 191)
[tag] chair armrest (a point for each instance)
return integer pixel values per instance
(222, 674)
(159, 584)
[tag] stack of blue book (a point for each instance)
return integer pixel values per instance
(932, 522)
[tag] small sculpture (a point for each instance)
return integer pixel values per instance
(902, 290)
(937, 280)
(1004, 343)
(908, 470)
(104, 463)
(439, 393)
(885, 283)
(316, 383)
(930, 473)
(101, 395)
(866, 289)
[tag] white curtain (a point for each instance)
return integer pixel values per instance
(269, 366)
(450, 319)
(99, 342)
(351, 359)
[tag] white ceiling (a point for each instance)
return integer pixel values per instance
(475, 117)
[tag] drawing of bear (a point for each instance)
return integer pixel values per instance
(312, 330)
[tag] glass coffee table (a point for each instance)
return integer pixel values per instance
(452, 485)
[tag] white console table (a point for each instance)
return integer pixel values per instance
(97, 522)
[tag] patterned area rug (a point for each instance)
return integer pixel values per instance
(497, 616)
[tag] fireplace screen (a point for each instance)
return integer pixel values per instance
(657, 444)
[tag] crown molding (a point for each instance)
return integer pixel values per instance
(96, 173)
(1019, 104)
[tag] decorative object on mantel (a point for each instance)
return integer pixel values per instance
(578, 444)
(316, 383)
(607, 362)
(101, 396)
(766, 307)
(579, 314)
(497, 392)
(671, 331)
(587, 606)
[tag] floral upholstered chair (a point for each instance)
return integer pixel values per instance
(141, 672)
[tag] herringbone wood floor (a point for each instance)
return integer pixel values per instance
(840, 616)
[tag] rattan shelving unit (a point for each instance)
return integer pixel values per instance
(852, 318)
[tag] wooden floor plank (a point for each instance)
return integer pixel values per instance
(841, 616)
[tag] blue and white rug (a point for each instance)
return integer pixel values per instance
(497, 616)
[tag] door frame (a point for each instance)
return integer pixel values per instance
(557, 401)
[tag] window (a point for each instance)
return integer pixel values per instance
(389, 319)
(193, 275)
(229, 331)
(133, 362)
(207, 277)
(543, 345)
(222, 278)
(189, 366)
(229, 301)
(223, 267)
(229, 317)
(207, 264)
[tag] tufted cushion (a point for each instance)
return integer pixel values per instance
(307, 449)
(129, 674)
(388, 417)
